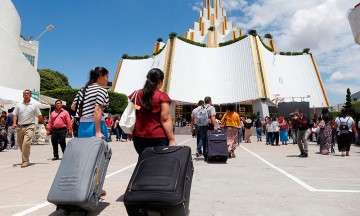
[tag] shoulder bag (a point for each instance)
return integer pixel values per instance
(128, 118)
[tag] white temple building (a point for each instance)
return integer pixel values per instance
(244, 72)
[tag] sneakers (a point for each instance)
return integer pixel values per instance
(55, 158)
(8, 147)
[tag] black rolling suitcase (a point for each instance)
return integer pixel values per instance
(217, 149)
(78, 182)
(161, 182)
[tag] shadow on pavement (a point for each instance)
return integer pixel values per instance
(120, 199)
(101, 207)
(30, 164)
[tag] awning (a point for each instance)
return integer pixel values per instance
(9, 96)
(50, 100)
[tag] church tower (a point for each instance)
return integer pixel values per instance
(213, 27)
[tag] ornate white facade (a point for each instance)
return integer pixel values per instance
(242, 72)
(16, 70)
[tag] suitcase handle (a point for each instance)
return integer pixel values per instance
(165, 149)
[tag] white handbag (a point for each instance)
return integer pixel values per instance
(128, 118)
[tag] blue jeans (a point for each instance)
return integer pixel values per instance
(203, 138)
(258, 132)
(118, 133)
(199, 142)
(240, 135)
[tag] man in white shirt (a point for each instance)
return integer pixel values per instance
(195, 128)
(24, 120)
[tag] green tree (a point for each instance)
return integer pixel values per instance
(118, 102)
(50, 80)
(159, 40)
(348, 104)
(356, 108)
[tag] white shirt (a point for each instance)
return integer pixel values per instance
(348, 119)
(275, 126)
(269, 128)
(26, 112)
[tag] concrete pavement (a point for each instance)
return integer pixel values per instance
(261, 180)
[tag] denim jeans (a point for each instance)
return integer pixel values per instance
(258, 132)
(203, 138)
(240, 135)
(199, 142)
(300, 140)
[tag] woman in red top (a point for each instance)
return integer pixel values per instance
(153, 126)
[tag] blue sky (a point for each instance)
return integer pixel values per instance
(96, 33)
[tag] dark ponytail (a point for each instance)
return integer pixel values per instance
(95, 73)
(153, 78)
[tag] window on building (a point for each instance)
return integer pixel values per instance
(30, 58)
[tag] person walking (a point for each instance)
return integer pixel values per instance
(58, 126)
(89, 104)
(258, 126)
(195, 128)
(275, 129)
(248, 132)
(301, 121)
(10, 131)
(109, 124)
(325, 133)
(153, 126)
(232, 121)
(346, 129)
(207, 121)
(117, 128)
(240, 132)
(284, 128)
(24, 121)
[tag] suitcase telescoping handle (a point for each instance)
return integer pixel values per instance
(165, 149)
(212, 132)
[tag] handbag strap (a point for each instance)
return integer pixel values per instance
(57, 115)
(135, 95)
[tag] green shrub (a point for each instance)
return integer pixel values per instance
(118, 102)
(252, 32)
(232, 41)
(191, 42)
(159, 40)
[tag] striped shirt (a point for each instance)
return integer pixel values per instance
(94, 95)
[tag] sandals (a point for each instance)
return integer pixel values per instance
(103, 193)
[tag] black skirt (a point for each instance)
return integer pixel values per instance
(344, 141)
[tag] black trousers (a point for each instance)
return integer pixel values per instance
(58, 137)
(141, 143)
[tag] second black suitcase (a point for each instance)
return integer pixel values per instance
(217, 149)
(161, 182)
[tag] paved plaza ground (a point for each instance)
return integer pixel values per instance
(261, 180)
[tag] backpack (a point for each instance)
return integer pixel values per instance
(202, 117)
(344, 128)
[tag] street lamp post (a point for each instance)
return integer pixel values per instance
(48, 28)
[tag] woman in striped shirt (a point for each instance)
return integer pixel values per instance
(92, 99)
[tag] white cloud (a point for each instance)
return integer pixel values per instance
(320, 25)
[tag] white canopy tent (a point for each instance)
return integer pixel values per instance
(9, 96)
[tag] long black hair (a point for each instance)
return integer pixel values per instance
(95, 73)
(153, 78)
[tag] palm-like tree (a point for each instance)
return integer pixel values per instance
(172, 35)
(306, 50)
(252, 32)
(268, 36)
(159, 40)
